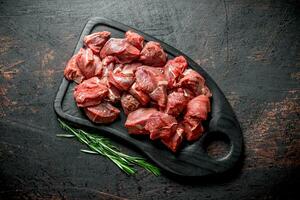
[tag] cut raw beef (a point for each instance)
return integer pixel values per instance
(131, 68)
(159, 94)
(135, 39)
(121, 49)
(197, 110)
(176, 103)
(90, 92)
(173, 69)
(198, 107)
(161, 125)
(153, 55)
(141, 96)
(121, 81)
(108, 64)
(147, 78)
(174, 141)
(72, 72)
(113, 94)
(129, 103)
(137, 119)
(102, 113)
(193, 81)
(96, 41)
(88, 63)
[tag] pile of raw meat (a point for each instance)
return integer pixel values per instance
(161, 97)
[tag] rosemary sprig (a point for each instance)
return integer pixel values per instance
(101, 145)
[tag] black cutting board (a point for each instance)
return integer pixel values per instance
(192, 160)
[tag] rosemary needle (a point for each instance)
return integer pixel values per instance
(100, 145)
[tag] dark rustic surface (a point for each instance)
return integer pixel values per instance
(250, 48)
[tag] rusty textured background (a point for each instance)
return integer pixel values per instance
(250, 48)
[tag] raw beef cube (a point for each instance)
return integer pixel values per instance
(88, 63)
(174, 141)
(129, 103)
(173, 69)
(193, 81)
(198, 107)
(161, 125)
(196, 112)
(113, 94)
(131, 68)
(90, 92)
(153, 55)
(193, 128)
(146, 78)
(137, 119)
(120, 80)
(159, 94)
(135, 39)
(142, 97)
(121, 49)
(176, 103)
(96, 41)
(102, 113)
(72, 72)
(108, 64)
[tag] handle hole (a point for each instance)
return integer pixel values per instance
(217, 145)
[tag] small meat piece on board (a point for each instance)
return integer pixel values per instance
(88, 63)
(159, 94)
(121, 49)
(96, 41)
(174, 141)
(198, 107)
(103, 113)
(113, 94)
(129, 103)
(173, 69)
(137, 119)
(72, 72)
(90, 92)
(131, 68)
(177, 102)
(153, 55)
(121, 81)
(197, 111)
(147, 78)
(108, 64)
(161, 125)
(141, 96)
(193, 81)
(135, 39)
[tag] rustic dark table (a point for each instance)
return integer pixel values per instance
(250, 48)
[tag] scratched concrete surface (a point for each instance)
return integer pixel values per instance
(250, 48)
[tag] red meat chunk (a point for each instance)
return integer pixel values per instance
(197, 110)
(135, 39)
(102, 113)
(198, 107)
(96, 41)
(72, 72)
(120, 80)
(121, 49)
(159, 94)
(137, 119)
(147, 78)
(153, 55)
(176, 103)
(161, 125)
(131, 68)
(142, 97)
(113, 94)
(193, 81)
(174, 141)
(129, 103)
(108, 64)
(88, 63)
(173, 69)
(90, 92)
